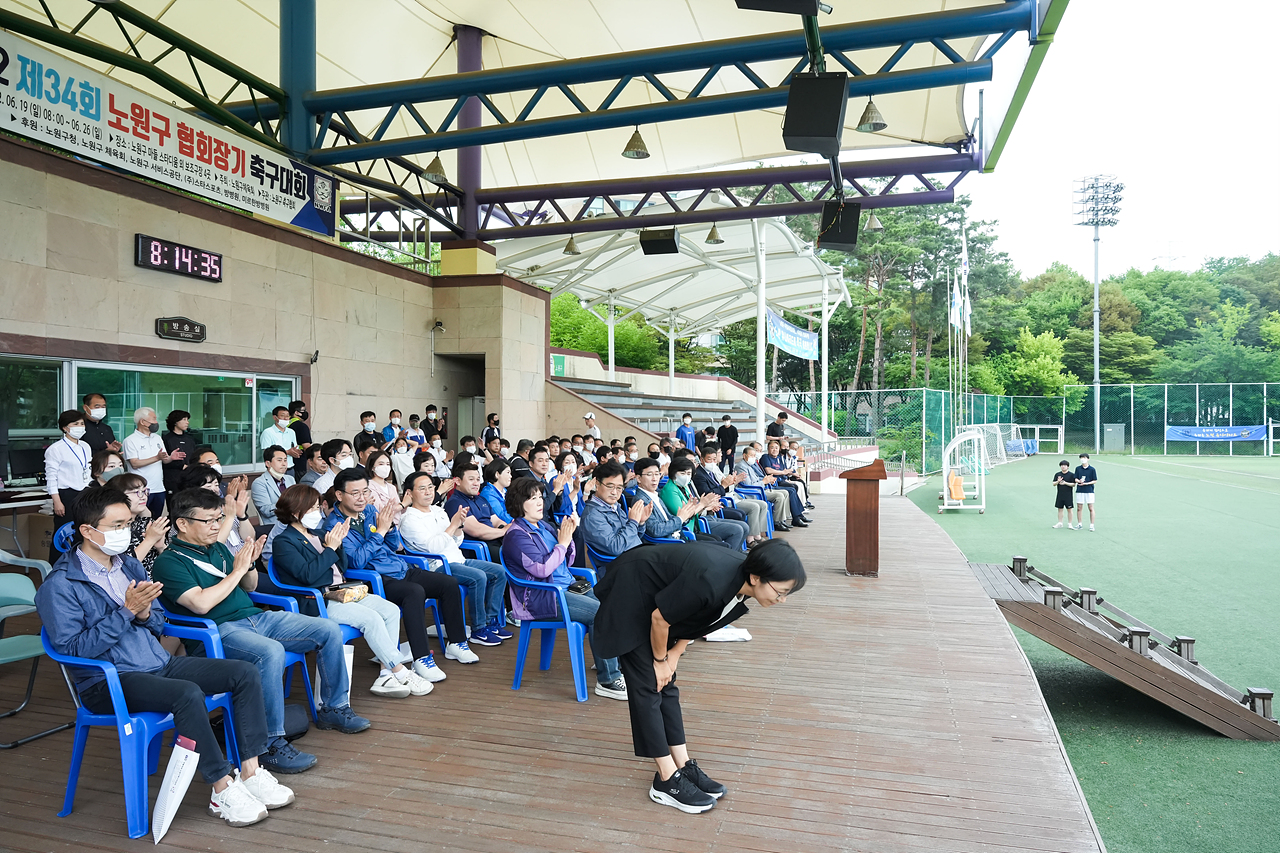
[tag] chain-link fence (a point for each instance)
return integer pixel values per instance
(1134, 418)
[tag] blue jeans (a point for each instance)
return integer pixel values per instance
(582, 608)
(262, 640)
(727, 531)
(486, 585)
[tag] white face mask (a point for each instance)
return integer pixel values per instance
(395, 422)
(114, 541)
(431, 416)
(570, 470)
(344, 464)
(506, 453)
(470, 448)
(215, 466)
(312, 519)
(688, 421)
(76, 432)
(98, 413)
(283, 423)
(369, 427)
(435, 442)
(400, 451)
(682, 479)
(382, 471)
(578, 447)
(635, 456)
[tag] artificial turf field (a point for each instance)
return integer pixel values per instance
(1189, 546)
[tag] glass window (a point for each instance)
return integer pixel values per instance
(30, 402)
(221, 407)
(272, 392)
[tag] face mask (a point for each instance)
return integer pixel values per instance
(344, 464)
(435, 442)
(153, 428)
(312, 519)
(98, 414)
(726, 423)
(682, 479)
(114, 541)
(382, 471)
(470, 448)
(495, 421)
(368, 427)
(748, 457)
(634, 456)
(215, 466)
(578, 447)
(589, 446)
(506, 453)
(395, 422)
(302, 416)
(76, 432)
(431, 416)
(283, 423)
(653, 454)
(688, 421)
(570, 470)
(400, 451)
(111, 472)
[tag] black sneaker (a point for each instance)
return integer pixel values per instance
(705, 783)
(679, 792)
(283, 757)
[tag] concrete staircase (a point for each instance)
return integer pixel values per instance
(661, 414)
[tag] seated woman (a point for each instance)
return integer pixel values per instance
(497, 478)
(105, 465)
(567, 487)
(147, 536)
(383, 484)
(402, 451)
(777, 462)
(300, 558)
(534, 550)
(679, 491)
(426, 463)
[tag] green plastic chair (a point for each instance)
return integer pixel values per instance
(19, 606)
(17, 592)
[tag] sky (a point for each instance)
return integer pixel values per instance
(1177, 99)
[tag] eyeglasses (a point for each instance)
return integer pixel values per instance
(779, 595)
(368, 493)
(142, 492)
(217, 519)
(610, 487)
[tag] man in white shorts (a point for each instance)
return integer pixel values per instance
(1086, 477)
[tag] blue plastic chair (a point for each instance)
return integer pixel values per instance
(575, 631)
(479, 549)
(62, 537)
(599, 559)
(348, 632)
(139, 732)
(431, 560)
(374, 580)
(757, 493)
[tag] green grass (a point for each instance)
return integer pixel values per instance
(1187, 544)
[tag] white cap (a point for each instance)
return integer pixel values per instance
(591, 415)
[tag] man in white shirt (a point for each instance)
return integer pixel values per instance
(590, 429)
(267, 488)
(338, 456)
(145, 454)
(280, 435)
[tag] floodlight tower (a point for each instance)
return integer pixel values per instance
(1097, 203)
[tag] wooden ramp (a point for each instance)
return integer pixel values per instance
(1102, 635)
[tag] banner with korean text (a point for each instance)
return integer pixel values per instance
(1216, 433)
(791, 338)
(53, 100)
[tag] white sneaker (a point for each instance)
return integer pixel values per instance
(615, 690)
(1056, 526)
(1090, 528)
(426, 668)
(461, 652)
(389, 685)
(1079, 527)
(236, 805)
(418, 685)
(266, 789)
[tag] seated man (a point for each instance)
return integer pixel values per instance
(520, 462)
(482, 523)
(201, 578)
(314, 466)
(371, 543)
(781, 481)
(709, 481)
(607, 525)
(97, 603)
(679, 491)
(753, 476)
(662, 523)
(428, 528)
(338, 456)
(267, 488)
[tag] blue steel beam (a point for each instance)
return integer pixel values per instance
(297, 72)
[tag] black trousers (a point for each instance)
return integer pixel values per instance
(656, 721)
(179, 688)
(733, 514)
(411, 594)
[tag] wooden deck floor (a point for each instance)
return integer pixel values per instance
(887, 714)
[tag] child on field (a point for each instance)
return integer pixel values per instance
(1065, 480)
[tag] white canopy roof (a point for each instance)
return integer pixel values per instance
(379, 41)
(704, 287)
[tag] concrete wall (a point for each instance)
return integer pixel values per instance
(564, 417)
(69, 289)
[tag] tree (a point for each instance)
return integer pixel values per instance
(1215, 355)
(573, 327)
(1035, 366)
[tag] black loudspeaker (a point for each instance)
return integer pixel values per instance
(815, 113)
(795, 7)
(660, 241)
(839, 230)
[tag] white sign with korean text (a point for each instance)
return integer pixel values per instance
(51, 99)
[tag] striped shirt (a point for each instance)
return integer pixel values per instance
(114, 582)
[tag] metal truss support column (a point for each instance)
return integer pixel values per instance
(757, 237)
(298, 72)
(470, 58)
(826, 359)
(671, 353)
(611, 321)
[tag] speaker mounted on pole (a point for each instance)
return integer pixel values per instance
(839, 226)
(660, 241)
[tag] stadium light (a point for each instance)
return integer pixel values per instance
(1097, 203)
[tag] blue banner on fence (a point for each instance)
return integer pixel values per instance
(1217, 433)
(791, 338)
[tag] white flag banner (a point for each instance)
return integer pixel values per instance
(177, 778)
(48, 98)
(954, 314)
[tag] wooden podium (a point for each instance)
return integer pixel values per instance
(862, 519)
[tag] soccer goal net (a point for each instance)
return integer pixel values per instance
(1002, 442)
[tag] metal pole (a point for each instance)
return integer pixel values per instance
(671, 352)
(757, 237)
(1133, 441)
(297, 71)
(826, 355)
(1197, 415)
(610, 320)
(1231, 414)
(470, 58)
(1097, 382)
(1166, 419)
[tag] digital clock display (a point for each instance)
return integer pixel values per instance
(167, 256)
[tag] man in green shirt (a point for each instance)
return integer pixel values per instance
(202, 578)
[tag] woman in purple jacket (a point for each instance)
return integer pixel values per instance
(534, 550)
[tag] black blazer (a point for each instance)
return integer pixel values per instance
(297, 562)
(691, 584)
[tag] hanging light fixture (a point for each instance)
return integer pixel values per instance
(636, 149)
(713, 236)
(435, 172)
(873, 223)
(571, 248)
(871, 120)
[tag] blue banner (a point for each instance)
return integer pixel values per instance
(791, 338)
(1216, 433)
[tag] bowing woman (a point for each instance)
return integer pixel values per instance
(653, 601)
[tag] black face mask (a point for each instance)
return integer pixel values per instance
(495, 421)
(302, 416)
(653, 454)
(153, 428)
